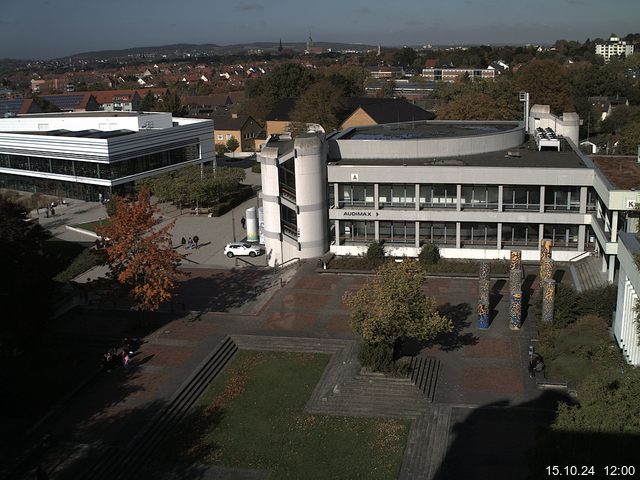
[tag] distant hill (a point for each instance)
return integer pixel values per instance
(187, 49)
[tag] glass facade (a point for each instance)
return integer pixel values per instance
(438, 196)
(289, 222)
(478, 234)
(562, 198)
(480, 196)
(438, 233)
(397, 195)
(105, 171)
(356, 195)
(521, 197)
(356, 232)
(562, 236)
(287, 179)
(398, 232)
(58, 188)
(520, 235)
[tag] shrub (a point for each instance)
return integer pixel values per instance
(233, 200)
(598, 301)
(256, 168)
(570, 305)
(376, 356)
(429, 254)
(87, 259)
(375, 253)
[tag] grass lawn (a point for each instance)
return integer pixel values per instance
(252, 417)
(92, 226)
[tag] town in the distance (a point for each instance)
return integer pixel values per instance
(321, 260)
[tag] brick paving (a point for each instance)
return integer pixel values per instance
(479, 368)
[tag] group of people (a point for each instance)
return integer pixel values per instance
(536, 365)
(119, 355)
(191, 243)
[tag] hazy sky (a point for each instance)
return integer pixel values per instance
(54, 28)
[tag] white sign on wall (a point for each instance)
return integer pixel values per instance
(631, 204)
(354, 177)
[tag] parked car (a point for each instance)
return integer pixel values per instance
(242, 249)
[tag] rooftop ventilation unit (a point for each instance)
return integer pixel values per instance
(547, 138)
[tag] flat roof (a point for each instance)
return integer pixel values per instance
(88, 114)
(426, 129)
(526, 155)
(623, 172)
(79, 133)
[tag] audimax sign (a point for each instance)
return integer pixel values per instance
(352, 213)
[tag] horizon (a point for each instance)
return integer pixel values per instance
(409, 22)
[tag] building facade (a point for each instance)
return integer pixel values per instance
(85, 155)
(452, 74)
(614, 47)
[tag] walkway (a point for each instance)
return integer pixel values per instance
(481, 371)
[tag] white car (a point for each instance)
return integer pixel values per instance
(242, 249)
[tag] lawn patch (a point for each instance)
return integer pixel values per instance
(252, 416)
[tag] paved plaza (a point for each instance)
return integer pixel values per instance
(485, 408)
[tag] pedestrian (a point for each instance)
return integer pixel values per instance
(196, 239)
(183, 242)
(189, 242)
(46, 211)
(53, 212)
(243, 222)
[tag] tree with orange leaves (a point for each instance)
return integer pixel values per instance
(140, 254)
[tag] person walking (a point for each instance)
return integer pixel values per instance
(183, 242)
(243, 222)
(189, 242)
(196, 239)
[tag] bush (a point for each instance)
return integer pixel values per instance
(256, 168)
(429, 254)
(375, 253)
(233, 200)
(376, 356)
(598, 301)
(87, 259)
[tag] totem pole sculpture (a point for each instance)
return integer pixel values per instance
(483, 296)
(545, 259)
(548, 299)
(515, 290)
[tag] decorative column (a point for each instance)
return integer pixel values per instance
(548, 299)
(483, 303)
(545, 256)
(515, 310)
(546, 270)
(485, 269)
(516, 260)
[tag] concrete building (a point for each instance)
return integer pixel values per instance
(85, 155)
(614, 47)
(476, 189)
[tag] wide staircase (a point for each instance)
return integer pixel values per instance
(587, 275)
(127, 462)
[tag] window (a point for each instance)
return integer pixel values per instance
(398, 232)
(562, 236)
(397, 195)
(478, 234)
(438, 196)
(229, 136)
(438, 233)
(521, 197)
(562, 198)
(520, 234)
(357, 232)
(219, 136)
(480, 196)
(356, 195)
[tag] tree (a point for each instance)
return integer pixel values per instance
(221, 149)
(286, 80)
(392, 305)
(26, 271)
(232, 144)
(429, 254)
(141, 254)
(388, 89)
(171, 103)
(149, 103)
(548, 84)
(376, 254)
(321, 103)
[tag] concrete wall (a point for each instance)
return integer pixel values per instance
(625, 325)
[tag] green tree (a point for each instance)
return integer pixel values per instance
(376, 254)
(388, 89)
(221, 149)
(547, 83)
(148, 103)
(392, 305)
(286, 80)
(171, 103)
(321, 103)
(232, 144)
(406, 56)
(429, 254)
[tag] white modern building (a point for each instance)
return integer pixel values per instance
(614, 47)
(476, 189)
(84, 155)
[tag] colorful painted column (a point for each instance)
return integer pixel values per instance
(548, 299)
(483, 303)
(546, 270)
(515, 310)
(485, 270)
(516, 260)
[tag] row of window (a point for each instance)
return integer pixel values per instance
(444, 234)
(472, 196)
(110, 171)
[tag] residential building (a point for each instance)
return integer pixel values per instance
(614, 47)
(450, 75)
(605, 105)
(241, 127)
(118, 100)
(85, 155)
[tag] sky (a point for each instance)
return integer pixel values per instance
(43, 29)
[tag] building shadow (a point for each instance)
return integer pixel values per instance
(499, 441)
(495, 296)
(527, 295)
